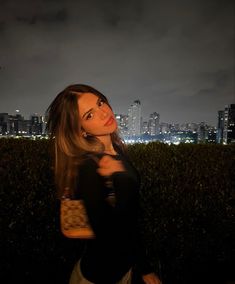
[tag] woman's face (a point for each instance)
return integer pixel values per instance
(96, 116)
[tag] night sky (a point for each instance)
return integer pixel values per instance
(176, 57)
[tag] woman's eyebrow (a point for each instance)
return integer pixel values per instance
(91, 108)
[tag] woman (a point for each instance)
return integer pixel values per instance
(91, 161)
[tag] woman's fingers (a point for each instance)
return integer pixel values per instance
(151, 278)
(105, 161)
(108, 166)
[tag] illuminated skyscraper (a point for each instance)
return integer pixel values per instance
(134, 119)
(145, 128)
(36, 124)
(202, 132)
(229, 124)
(153, 124)
(226, 125)
(220, 127)
(122, 121)
(17, 124)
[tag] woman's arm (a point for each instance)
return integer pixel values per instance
(104, 218)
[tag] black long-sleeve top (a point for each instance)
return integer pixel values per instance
(113, 210)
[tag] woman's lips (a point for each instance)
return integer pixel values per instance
(110, 121)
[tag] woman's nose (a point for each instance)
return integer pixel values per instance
(103, 114)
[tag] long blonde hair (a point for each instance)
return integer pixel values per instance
(65, 132)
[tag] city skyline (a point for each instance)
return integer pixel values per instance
(133, 128)
(177, 58)
(146, 118)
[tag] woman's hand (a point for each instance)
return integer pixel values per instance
(151, 278)
(108, 166)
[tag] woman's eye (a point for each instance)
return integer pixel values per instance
(101, 102)
(89, 116)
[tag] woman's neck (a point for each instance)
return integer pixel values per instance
(108, 145)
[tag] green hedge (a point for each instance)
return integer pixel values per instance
(187, 195)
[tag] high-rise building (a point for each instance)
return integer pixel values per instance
(229, 124)
(226, 125)
(212, 138)
(192, 126)
(173, 127)
(134, 119)
(145, 129)
(36, 126)
(4, 124)
(202, 133)
(154, 124)
(164, 127)
(220, 127)
(17, 125)
(122, 121)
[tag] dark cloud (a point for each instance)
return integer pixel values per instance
(31, 12)
(54, 17)
(177, 57)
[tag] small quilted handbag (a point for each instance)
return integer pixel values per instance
(73, 219)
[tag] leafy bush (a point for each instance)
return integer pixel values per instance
(187, 197)
(188, 204)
